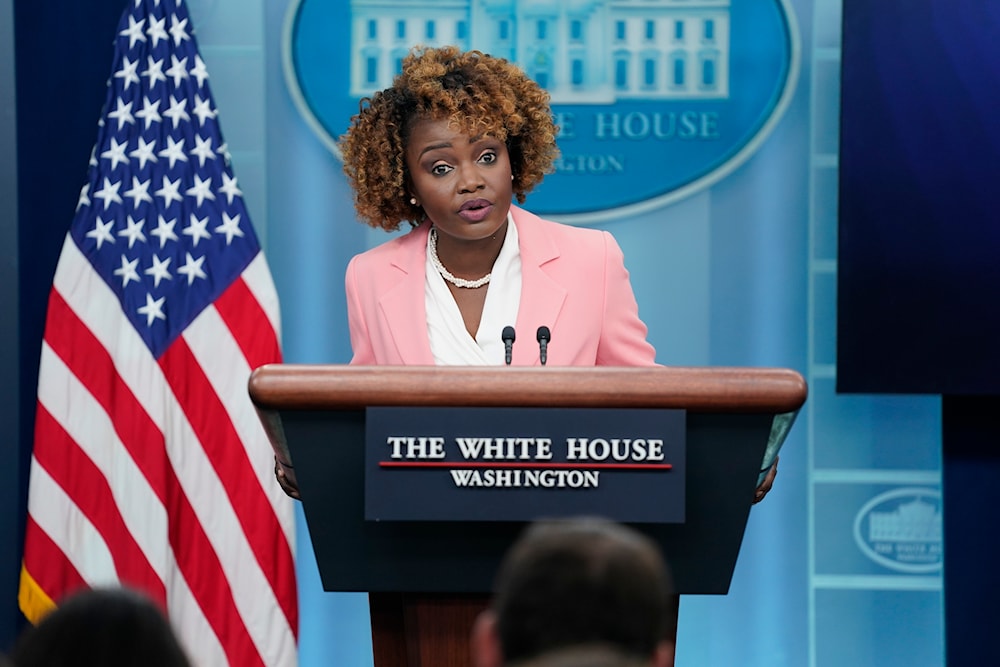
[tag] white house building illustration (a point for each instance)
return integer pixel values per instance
(582, 51)
(917, 521)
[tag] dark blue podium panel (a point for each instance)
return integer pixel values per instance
(516, 463)
(722, 458)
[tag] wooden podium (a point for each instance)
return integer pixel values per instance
(428, 580)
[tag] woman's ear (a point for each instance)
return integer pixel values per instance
(486, 651)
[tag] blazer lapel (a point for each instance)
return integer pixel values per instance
(541, 297)
(403, 304)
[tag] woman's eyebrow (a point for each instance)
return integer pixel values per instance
(432, 147)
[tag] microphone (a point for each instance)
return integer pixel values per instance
(543, 336)
(508, 341)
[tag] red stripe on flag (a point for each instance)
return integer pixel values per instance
(224, 449)
(90, 362)
(87, 485)
(249, 324)
(205, 577)
(48, 565)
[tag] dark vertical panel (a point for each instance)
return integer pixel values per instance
(62, 55)
(970, 476)
(918, 276)
(10, 488)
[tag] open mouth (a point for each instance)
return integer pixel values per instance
(475, 210)
(475, 204)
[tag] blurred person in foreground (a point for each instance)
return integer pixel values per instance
(101, 627)
(579, 587)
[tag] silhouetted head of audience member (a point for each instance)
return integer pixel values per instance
(585, 655)
(574, 582)
(110, 627)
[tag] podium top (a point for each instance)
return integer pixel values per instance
(697, 389)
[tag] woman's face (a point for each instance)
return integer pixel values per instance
(463, 183)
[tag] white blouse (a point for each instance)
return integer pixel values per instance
(451, 344)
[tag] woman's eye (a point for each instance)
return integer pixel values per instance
(440, 169)
(488, 158)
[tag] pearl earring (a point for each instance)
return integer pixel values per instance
(413, 200)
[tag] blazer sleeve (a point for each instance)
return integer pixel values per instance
(361, 345)
(623, 335)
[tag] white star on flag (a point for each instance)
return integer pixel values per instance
(102, 232)
(123, 114)
(109, 193)
(165, 230)
(192, 268)
(144, 153)
(127, 72)
(230, 227)
(159, 270)
(116, 153)
(153, 310)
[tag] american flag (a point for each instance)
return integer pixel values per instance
(150, 468)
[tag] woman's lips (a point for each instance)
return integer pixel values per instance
(475, 210)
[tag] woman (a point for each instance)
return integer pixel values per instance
(447, 148)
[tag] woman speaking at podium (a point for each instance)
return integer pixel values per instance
(446, 149)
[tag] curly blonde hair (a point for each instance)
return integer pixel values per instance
(477, 93)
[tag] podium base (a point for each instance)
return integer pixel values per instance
(423, 630)
(434, 630)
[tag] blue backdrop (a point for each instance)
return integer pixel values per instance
(740, 272)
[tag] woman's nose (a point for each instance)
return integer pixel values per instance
(470, 180)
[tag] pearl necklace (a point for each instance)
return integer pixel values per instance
(446, 274)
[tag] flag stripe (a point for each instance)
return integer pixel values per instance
(91, 429)
(52, 572)
(83, 546)
(257, 278)
(83, 481)
(205, 576)
(224, 449)
(228, 372)
(88, 360)
(258, 348)
(188, 619)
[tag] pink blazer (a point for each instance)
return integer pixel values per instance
(574, 281)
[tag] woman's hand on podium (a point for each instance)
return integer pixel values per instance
(766, 485)
(285, 474)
